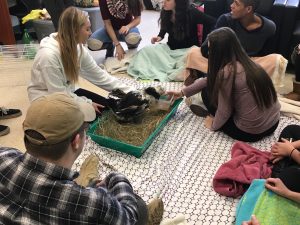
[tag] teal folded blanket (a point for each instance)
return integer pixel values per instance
(268, 207)
(158, 62)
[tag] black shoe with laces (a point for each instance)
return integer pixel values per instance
(9, 113)
(4, 130)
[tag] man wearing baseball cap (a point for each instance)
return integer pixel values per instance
(38, 187)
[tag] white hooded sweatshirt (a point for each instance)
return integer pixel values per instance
(48, 76)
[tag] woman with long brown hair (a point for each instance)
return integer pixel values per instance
(237, 92)
(62, 58)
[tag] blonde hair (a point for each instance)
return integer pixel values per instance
(70, 23)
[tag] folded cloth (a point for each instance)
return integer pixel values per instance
(158, 62)
(247, 163)
(289, 107)
(114, 66)
(178, 220)
(267, 206)
(273, 64)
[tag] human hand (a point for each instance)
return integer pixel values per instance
(155, 39)
(97, 107)
(124, 30)
(120, 53)
(175, 94)
(276, 185)
(282, 149)
(208, 121)
(253, 221)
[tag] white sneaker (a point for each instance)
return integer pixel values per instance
(133, 38)
(94, 44)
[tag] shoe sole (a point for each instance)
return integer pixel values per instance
(199, 111)
(10, 116)
(89, 167)
(155, 212)
(94, 44)
(4, 132)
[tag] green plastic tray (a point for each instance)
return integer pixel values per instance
(120, 146)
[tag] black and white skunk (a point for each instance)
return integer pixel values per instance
(131, 106)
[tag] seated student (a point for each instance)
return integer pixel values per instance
(254, 32)
(238, 93)
(62, 58)
(38, 186)
(295, 94)
(121, 19)
(180, 21)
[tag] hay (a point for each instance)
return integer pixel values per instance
(130, 133)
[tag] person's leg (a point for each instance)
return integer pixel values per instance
(93, 96)
(291, 177)
(100, 40)
(290, 131)
(206, 100)
(234, 132)
(133, 38)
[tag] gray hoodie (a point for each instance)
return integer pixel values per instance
(48, 76)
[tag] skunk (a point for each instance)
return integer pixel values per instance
(131, 106)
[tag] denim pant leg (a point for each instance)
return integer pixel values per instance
(133, 30)
(102, 35)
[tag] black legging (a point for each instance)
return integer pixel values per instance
(287, 169)
(94, 97)
(55, 9)
(231, 129)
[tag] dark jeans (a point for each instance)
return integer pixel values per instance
(55, 9)
(231, 129)
(287, 169)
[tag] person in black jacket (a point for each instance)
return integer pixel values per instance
(180, 19)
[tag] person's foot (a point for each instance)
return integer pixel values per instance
(9, 113)
(198, 110)
(88, 171)
(155, 211)
(133, 40)
(94, 44)
(4, 130)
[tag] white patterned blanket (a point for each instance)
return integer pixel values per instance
(179, 166)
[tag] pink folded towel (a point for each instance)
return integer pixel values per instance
(247, 163)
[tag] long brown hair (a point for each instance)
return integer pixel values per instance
(70, 23)
(225, 49)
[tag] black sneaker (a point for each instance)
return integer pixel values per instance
(9, 113)
(4, 130)
(199, 111)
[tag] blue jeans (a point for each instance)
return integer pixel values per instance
(102, 35)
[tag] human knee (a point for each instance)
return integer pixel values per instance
(133, 39)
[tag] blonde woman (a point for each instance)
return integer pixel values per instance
(62, 58)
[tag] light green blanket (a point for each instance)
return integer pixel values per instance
(268, 207)
(158, 62)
